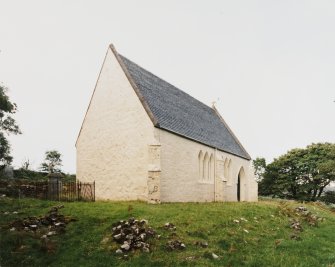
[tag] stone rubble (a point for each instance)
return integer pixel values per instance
(50, 224)
(295, 225)
(174, 245)
(301, 209)
(132, 234)
(170, 226)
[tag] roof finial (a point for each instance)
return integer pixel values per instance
(215, 102)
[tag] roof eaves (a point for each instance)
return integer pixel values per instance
(200, 142)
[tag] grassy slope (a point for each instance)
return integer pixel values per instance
(268, 242)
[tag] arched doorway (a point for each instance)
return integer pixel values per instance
(240, 185)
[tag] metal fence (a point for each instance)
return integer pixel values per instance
(55, 190)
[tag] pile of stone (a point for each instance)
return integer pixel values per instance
(50, 224)
(132, 234)
(308, 216)
(296, 225)
(301, 209)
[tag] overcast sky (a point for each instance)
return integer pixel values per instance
(269, 65)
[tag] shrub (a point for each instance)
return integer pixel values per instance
(329, 197)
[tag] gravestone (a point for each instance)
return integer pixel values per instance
(8, 172)
(55, 186)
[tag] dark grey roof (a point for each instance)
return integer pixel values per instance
(178, 112)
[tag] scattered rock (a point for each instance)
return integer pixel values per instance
(296, 225)
(300, 209)
(236, 221)
(146, 249)
(214, 256)
(245, 230)
(295, 236)
(33, 227)
(175, 244)
(12, 229)
(51, 233)
(125, 246)
(202, 244)
(170, 226)
(119, 251)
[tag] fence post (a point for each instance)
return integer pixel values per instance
(93, 191)
(78, 188)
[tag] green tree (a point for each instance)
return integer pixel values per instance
(52, 162)
(7, 125)
(259, 165)
(300, 173)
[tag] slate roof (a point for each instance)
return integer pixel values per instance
(177, 112)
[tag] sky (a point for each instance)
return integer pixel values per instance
(268, 65)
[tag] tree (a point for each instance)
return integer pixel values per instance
(53, 162)
(259, 165)
(26, 164)
(7, 126)
(300, 173)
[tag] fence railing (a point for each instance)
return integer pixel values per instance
(49, 190)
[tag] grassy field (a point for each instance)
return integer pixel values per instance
(262, 237)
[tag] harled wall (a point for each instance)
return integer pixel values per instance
(180, 181)
(112, 147)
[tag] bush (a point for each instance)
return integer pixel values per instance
(30, 175)
(329, 197)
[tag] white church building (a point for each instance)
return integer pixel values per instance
(144, 139)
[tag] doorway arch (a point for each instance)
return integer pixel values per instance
(240, 190)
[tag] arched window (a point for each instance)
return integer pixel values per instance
(211, 168)
(200, 164)
(226, 171)
(205, 168)
(229, 173)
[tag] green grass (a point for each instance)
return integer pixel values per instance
(268, 242)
